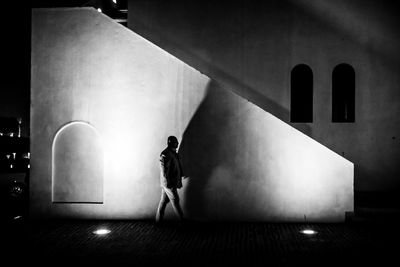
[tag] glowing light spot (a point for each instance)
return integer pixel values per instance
(99, 9)
(114, 1)
(308, 232)
(102, 231)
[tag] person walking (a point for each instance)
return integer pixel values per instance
(171, 175)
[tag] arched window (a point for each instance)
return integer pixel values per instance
(77, 164)
(343, 93)
(301, 94)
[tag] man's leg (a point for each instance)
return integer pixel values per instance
(173, 196)
(161, 206)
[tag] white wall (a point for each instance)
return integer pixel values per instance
(243, 163)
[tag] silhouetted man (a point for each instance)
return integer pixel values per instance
(170, 179)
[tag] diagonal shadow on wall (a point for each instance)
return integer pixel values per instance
(201, 140)
(215, 138)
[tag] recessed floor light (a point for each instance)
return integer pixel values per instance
(101, 231)
(308, 232)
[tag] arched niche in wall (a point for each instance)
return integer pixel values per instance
(77, 164)
(343, 93)
(301, 94)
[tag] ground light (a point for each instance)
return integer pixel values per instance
(101, 231)
(308, 232)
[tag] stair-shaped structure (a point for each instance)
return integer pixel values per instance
(244, 163)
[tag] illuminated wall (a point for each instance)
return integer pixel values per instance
(101, 88)
(93, 79)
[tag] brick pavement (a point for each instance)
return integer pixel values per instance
(141, 243)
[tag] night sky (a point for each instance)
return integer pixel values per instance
(14, 94)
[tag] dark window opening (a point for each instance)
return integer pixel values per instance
(343, 93)
(301, 95)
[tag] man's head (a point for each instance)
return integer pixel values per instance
(172, 142)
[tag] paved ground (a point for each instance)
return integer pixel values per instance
(141, 243)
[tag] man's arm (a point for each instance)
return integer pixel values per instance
(164, 162)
